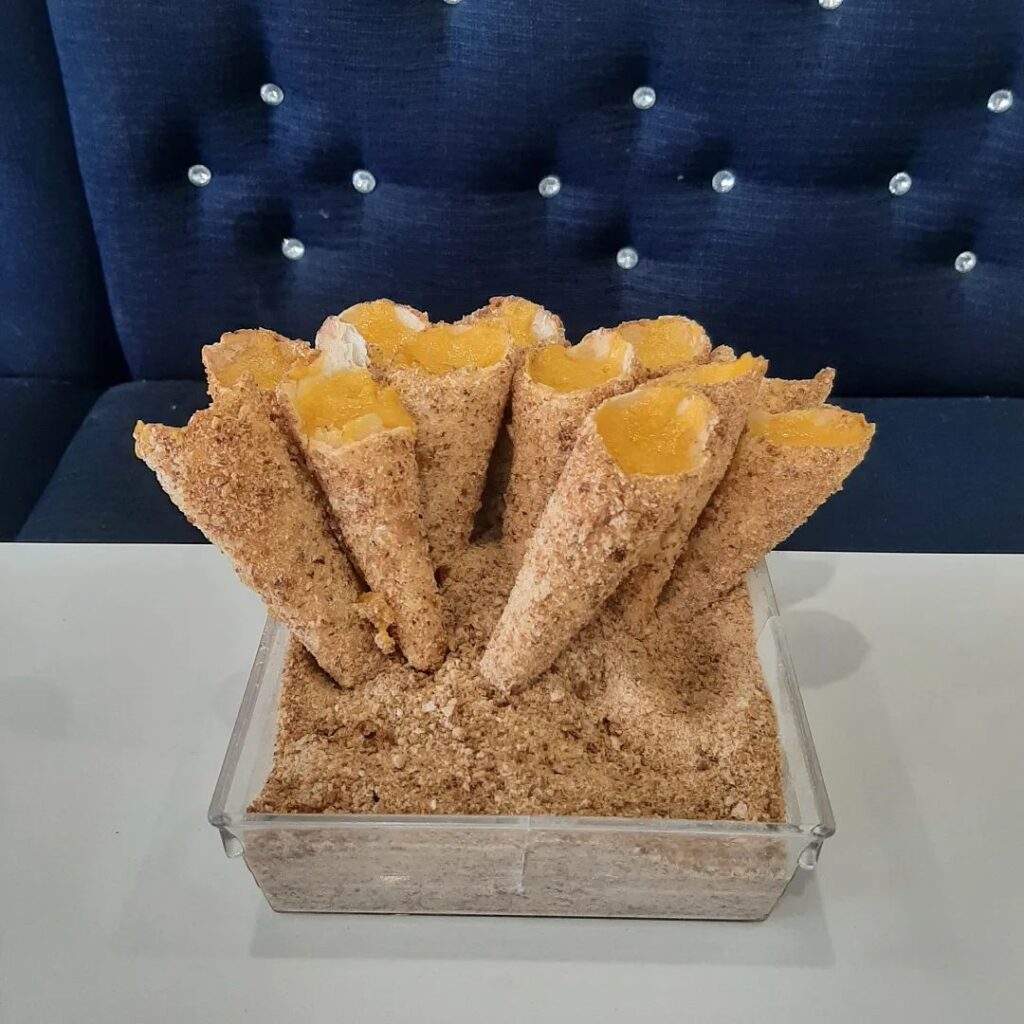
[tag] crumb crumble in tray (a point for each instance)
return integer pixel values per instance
(675, 725)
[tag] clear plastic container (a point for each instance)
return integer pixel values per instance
(545, 866)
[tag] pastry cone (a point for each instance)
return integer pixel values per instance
(385, 326)
(731, 388)
(663, 344)
(235, 474)
(530, 326)
(785, 466)
(360, 442)
(264, 354)
(779, 395)
(454, 380)
(552, 393)
(622, 487)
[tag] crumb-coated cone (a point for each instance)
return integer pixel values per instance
(236, 476)
(599, 520)
(771, 487)
(360, 443)
(665, 343)
(457, 416)
(635, 600)
(372, 486)
(266, 355)
(373, 489)
(779, 395)
(384, 325)
(543, 426)
(530, 326)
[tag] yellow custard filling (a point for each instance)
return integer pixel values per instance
(259, 352)
(447, 347)
(522, 318)
(384, 325)
(345, 407)
(822, 427)
(597, 359)
(666, 342)
(718, 373)
(656, 431)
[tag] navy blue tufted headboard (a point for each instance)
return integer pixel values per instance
(458, 110)
(54, 320)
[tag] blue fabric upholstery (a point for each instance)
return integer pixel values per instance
(942, 475)
(54, 320)
(37, 419)
(459, 110)
(100, 491)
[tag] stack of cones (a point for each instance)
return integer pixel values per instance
(645, 472)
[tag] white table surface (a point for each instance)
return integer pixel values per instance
(121, 669)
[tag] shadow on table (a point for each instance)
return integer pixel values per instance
(824, 647)
(795, 934)
(805, 576)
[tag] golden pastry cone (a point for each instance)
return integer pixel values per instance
(785, 466)
(384, 325)
(360, 442)
(530, 326)
(546, 417)
(454, 380)
(264, 354)
(778, 395)
(732, 389)
(234, 473)
(665, 343)
(621, 488)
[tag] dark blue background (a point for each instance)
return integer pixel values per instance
(116, 267)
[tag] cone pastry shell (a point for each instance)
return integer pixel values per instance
(373, 489)
(268, 355)
(768, 491)
(383, 324)
(530, 326)
(666, 342)
(543, 428)
(457, 418)
(591, 534)
(235, 475)
(779, 395)
(360, 443)
(635, 600)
